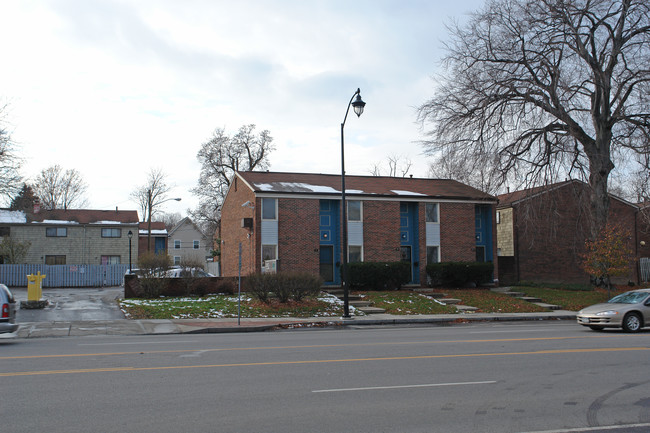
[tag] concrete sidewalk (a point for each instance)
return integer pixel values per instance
(193, 326)
(93, 311)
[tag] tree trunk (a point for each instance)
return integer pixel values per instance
(600, 165)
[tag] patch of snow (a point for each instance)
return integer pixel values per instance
(63, 222)
(12, 217)
(400, 192)
(153, 232)
(264, 186)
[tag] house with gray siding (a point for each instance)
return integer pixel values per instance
(187, 242)
(73, 236)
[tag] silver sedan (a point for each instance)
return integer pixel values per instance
(7, 311)
(630, 311)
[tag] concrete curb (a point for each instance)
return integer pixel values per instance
(214, 326)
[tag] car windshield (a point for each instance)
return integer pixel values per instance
(629, 298)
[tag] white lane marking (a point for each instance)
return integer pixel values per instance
(511, 331)
(372, 388)
(601, 428)
(136, 342)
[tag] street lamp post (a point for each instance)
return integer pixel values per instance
(130, 236)
(358, 106)
(149, 206)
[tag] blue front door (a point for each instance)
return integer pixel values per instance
(409, 234)
(159, 246)
(330, 244)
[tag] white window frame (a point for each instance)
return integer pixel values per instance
(275, 252)
(177, 244)
(59, 232)
(275, 208)
(426, 213)
(360, 210)
(427, 252)
(110, 259)
(110, 232)
(196, 244)
(360, 252)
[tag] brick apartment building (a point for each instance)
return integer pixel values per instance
(541, 233)
(292, 221)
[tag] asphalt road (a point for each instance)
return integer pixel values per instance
(490, 377)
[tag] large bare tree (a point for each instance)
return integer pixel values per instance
(10, 178)
(59, 189)
(151, 196)
(481, 172)
(549, 86)
(220, 157)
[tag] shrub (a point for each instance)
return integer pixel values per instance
(303, 285)
(285, 286)
(378, 275)
(152, 271)
(460, 273)
(258, 285)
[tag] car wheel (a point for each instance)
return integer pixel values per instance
(632, 322)
(596, 328)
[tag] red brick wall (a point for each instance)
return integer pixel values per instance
(381, 241)
(457, 232)
(550, 232)
(298, 235)
(232, 232)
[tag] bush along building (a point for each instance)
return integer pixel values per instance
(292, 222)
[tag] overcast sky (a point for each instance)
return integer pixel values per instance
(114, 88)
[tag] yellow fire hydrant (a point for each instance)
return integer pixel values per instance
(35, 286)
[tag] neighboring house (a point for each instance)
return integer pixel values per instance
(73, 236)
(157, 242)
(541, 233)
(187, 242)
(292, 221)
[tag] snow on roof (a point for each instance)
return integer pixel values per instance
(295, 187)
(398, 192)
(54, 222)
(108, 222)
(153, 232)
(12, 217)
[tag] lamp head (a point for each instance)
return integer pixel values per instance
(358, 104)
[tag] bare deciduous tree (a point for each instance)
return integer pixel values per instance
(59, 189)
(10, 179)
(220, 157)
(550, 87)
(171, 219)
(398, 166)
(150, 195)
(481, 172)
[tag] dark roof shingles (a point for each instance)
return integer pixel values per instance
(328, 184)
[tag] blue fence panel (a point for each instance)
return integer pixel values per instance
(64, 275)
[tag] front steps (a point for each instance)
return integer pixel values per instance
(366, 307)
